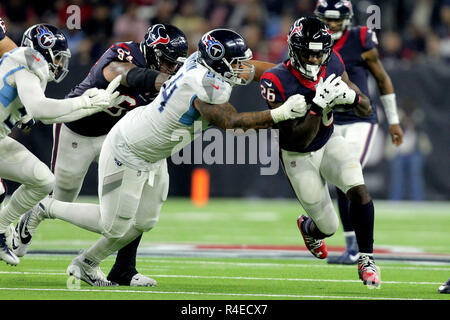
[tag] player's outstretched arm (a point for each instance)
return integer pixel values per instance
(299, 132)
(384, 82)
(135, 77)
(225, 116)
(40, 107)
(6, 44)
(260, 68)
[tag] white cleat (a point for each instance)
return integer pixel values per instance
(25, 230)
(81, 269)
(6, 254)
(139, 280)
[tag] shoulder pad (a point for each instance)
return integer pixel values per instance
(210, 88)
(32, 60)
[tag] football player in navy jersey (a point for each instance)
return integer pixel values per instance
(6, 44)
(311, 153)
(145, 66)
(358, 48)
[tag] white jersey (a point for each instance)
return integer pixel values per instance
(150, 133)
(11, 108)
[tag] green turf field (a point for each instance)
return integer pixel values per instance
(405, 227)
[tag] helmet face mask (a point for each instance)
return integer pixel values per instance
(309, 46)
(165, 48)
(224, 52)
(60, 67)
(52, 44)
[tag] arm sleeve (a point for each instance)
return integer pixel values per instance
(142, 78)
(36, 103)
(75, 115)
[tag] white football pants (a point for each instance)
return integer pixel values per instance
(309, 173)
(72, 156)
(18, 164)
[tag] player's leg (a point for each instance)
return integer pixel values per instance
(130, 202)
(18, 164)
(342, 169)
(360, 137)
(312, 192)
(124, 270)
(71, 157)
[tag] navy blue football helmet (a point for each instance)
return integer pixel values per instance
(309, 36)
(49, 41)
(335, 10)
(164, 42)
(225, 52)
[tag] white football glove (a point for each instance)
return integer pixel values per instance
(293, 107)
(99, 98)
(327, 91)
(346, 97)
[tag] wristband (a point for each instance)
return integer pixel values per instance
(390, 108)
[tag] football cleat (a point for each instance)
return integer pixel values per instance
(82, 269)
(368, 272)
(316, 246)
(445, 288)
(139, 280)
(24, 230)
(350, 255)
(5, 253)
(345, 258)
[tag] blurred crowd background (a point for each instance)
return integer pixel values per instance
(414, 46)
(411, 29)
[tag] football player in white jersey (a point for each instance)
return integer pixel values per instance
(6, 44)
(133, 177)
(25, 71)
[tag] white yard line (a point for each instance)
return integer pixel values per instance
(208, 293)
(248, 264)
(234, 278)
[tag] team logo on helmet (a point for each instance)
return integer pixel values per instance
(214, 48)
(296, 29)
(46, 38)
(155, 35)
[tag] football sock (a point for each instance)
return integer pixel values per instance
(351, 244)
(310, 228)
(22, 200)
(126, 257)
(363, 222)
(83, 215)
(104, 247)
(344, 210)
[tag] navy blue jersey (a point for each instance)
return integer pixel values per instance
(2, 29)
(283, 81)
(100, 123)
(351, 45)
